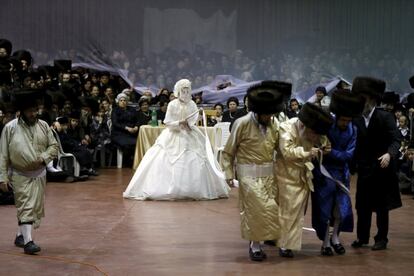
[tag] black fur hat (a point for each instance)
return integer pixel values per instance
(265, 98)
(410, 101)
(315, 118)
(345, 103)
(27, 98)
(369, 86)
(283, 87)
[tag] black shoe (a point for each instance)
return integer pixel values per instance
(257, 256)
(358, 244)
(338, 248)
(326, 251)
(19, 241)
(286, 253)
(92, 172)
(379, 245)
(31, 248)
(82, 178)
(270, 243)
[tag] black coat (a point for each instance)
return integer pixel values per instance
(377, 188)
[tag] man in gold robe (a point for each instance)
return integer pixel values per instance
(252, 143)
(301, 140)
(27, 145)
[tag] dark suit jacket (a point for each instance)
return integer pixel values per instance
(377, 188)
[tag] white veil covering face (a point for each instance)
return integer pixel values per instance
(182, 90)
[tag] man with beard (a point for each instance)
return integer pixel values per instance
(376, 156)
(331, 203)
(252, 142)
(301, 140)
(27, 145)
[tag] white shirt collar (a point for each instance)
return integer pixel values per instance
(368, 118)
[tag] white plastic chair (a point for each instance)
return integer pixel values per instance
(221, 135)
(63, 156)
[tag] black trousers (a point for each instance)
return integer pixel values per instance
(364, 225)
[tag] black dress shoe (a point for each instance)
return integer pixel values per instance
(326, 251)
(257, 256)
(19, 241)
(31, 248)
(379, 245)
(358, 244)
(286, 253)
(270, 242)
(338, 248)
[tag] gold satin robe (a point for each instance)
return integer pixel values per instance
(257, 204)
(21, 146)
(294, 182)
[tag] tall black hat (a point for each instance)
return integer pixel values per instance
(315, 118)
(345, 103)
(369, 86)
(265, 98)
(410, 101)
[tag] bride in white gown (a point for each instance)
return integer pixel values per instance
(176, 166)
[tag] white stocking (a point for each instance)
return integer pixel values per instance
(27, 232)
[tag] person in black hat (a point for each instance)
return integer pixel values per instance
(376, 155)
(301, 140)
(27, 145)
(286, 89)
(389, 100)
(331, 203)
(252, 142)
(5, 48)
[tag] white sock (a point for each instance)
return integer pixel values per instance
(255, 246)
(326, 240)
(335, 235)
(26, 230)
(19, 232)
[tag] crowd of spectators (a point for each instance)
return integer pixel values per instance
(93, 110)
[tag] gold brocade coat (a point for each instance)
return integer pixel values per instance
(258, 207)
(294, 181)
(21, 146)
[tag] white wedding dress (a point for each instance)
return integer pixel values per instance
(176, 166)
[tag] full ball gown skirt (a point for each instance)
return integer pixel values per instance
(176, 167)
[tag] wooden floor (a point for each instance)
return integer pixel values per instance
(89, 229)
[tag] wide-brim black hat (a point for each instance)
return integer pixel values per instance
(283, 87)
(315, 118)
(6, 44)
(27, 98)
(369, 86)
(265, 98)
(390, 98)
(347, 104)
